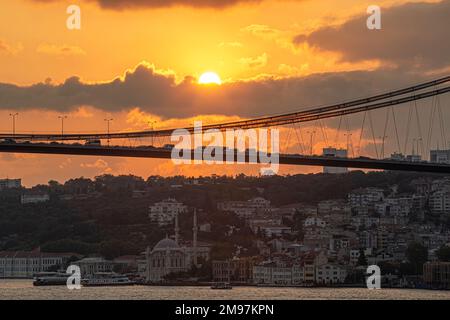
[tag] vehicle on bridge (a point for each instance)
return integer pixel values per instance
(8, 140)
(93, 142)
(169, 146)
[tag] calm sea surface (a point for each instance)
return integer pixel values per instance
(23, 289)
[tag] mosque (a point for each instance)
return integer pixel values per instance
(168, 256)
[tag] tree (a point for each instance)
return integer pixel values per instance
(443, 253)
(417, 255)
(362, 260)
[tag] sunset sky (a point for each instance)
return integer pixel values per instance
(139, 61)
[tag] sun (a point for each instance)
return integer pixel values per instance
(209, 78)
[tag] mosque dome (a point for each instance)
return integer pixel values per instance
(166, 244)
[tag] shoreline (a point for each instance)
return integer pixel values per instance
(208, 285)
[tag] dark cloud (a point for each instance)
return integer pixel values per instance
(130, 4)
(160, 94)
(413, 35)
(121, 4)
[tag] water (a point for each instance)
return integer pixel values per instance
(23, 289)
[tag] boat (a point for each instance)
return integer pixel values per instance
(107, 279)
(50, 279)
(221, 286)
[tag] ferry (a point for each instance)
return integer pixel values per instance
(107, 279)
(221, 286)
(50, 279)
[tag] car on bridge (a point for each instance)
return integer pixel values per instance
(93, 142)
(168, 146)
(8, 140)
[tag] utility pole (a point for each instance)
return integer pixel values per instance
(62, 124)
(108, 120)
(14, 115)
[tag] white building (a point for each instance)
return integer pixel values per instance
(275, 230)
(24, 264)
(10, 183)
(332, 206)
(262, 274)
(365, 196)
(34, 198)
(439, 200)
(90, 266)
(257, 223)
(440, 156)
(314, 222)
(274, 273)
(246, 209)
(282, 275)
(330, 274)
(165, 211)
(336, 153)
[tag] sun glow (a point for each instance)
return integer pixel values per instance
(209, 78)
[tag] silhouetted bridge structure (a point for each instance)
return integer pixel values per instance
(46, 143)
(284, 159)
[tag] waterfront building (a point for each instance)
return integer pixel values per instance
(91, 265)
(24, 264)
(330, 274)
(168, 256)
(437, 274)
(236, 270)
(275, 273)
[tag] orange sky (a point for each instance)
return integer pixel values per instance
(242, 42)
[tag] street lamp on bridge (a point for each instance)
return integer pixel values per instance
(108, 120)
(62, 124)
(383, 142)
(151, 124)
(14, 115)
(311, 133)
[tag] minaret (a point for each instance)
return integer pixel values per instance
(177, 230)
(147, 256)
(194, 240)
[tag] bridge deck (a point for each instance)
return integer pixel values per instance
(285, 159)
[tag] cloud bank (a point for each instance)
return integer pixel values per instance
(161, 94)
(412, 35)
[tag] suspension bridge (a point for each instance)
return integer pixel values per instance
(399, 108)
